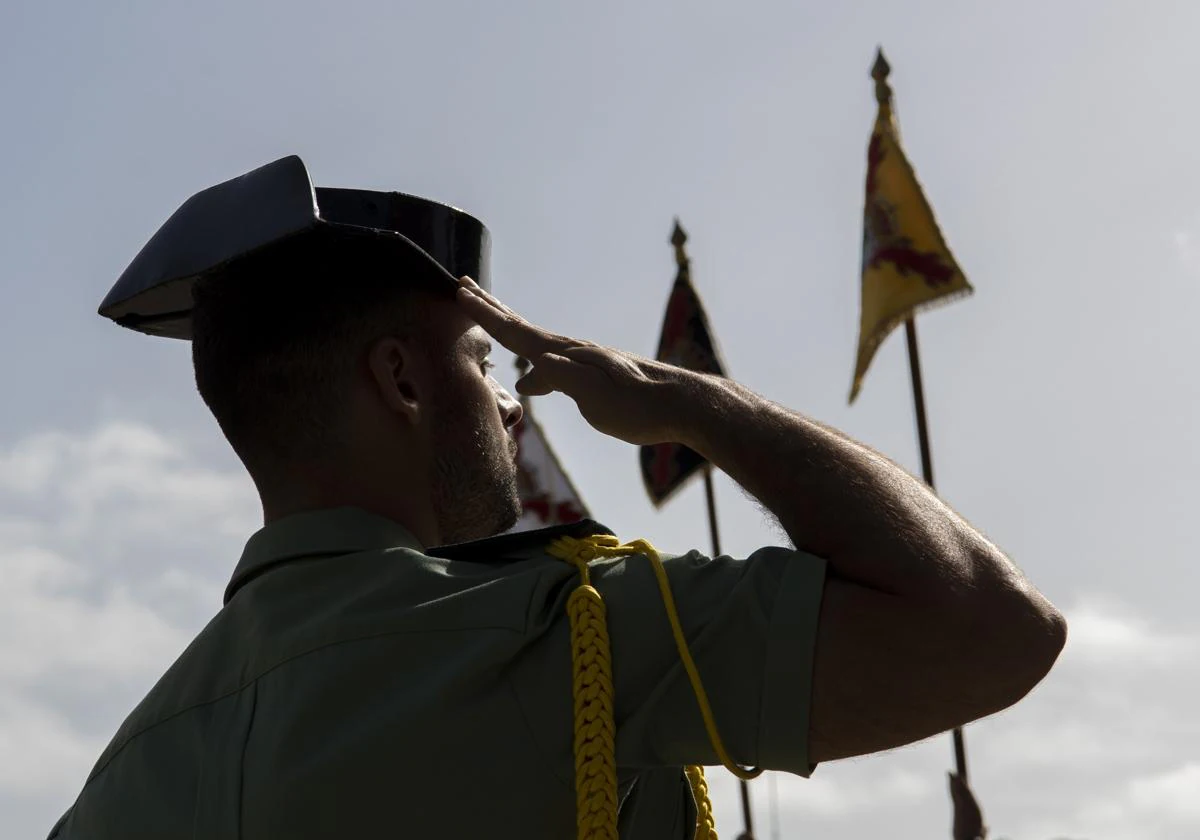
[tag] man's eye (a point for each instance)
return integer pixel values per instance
(487, 366)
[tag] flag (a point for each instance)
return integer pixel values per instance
(686, 341)
(547, 495)
(906, 264)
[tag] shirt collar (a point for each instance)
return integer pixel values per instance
(334, 531)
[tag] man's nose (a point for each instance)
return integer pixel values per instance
(510, 409)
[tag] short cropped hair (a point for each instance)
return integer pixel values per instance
(276, 338)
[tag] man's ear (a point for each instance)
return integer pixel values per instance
(392, 365)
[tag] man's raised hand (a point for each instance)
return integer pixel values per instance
(620, 394)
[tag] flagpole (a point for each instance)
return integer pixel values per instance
(678, 238)
(712, 510)
(711, 498)
(914, 366)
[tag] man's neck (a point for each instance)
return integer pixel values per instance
(322, 492)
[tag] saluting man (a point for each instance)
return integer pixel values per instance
(385, 666)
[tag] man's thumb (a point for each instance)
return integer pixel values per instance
(545, 377)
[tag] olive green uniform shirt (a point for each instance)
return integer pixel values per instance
(357, 686)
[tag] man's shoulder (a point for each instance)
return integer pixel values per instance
(520, 545)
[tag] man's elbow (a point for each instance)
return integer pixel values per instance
(1020, 642)
(1045, 637)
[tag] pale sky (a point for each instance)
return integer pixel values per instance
(1055, 140)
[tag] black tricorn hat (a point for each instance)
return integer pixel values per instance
(270, 207)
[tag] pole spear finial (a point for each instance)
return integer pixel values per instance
(678, 237)
(879, 72)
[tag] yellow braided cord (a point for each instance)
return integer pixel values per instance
(595, 728)
(706, 826)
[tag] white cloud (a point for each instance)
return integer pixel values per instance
(43, 751)
(1174, 794)
(114, 548)
(1187, 247)
(1164, 805)
(127, 475)
(113, 635)
(1102, 632)
(829, 796)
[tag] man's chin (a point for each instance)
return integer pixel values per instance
(509, 516)
(513, 516)
(505, 518)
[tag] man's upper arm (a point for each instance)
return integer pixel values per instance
(889, 672)
(751, 626)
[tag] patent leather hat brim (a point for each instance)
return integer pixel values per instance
(270, 207)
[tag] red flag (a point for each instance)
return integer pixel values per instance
(547, 495)
(686, 341)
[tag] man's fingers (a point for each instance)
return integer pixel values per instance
(545, 377)
(506, 326)
(473, 287)
(534, 384)
(553, 372)
(512, 331)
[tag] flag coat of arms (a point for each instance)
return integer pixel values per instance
(686, 341)
(906, 264)
(547, 495)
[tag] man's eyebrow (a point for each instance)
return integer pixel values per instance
(482, 346)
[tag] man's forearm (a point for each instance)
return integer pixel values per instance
(874, 523)
(918, 606)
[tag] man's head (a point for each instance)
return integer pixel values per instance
(341, 375)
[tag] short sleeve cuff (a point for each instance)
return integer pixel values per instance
(787, 682)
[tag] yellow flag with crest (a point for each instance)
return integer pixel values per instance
(906, 264)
